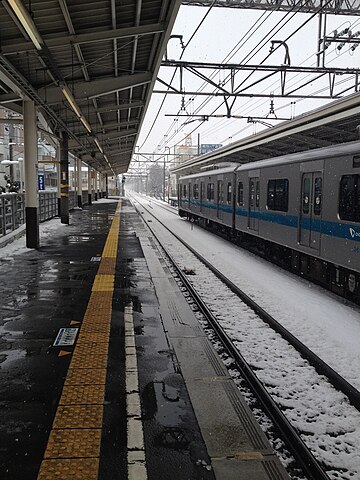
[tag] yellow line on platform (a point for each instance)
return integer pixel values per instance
(73, 449)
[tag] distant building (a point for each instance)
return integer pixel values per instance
(11, 145)
(184, 153)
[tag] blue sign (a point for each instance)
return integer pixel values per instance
(66, 336)
(41, 182)
(209, 147)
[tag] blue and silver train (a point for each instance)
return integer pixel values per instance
(303, 207)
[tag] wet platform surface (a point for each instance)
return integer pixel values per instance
(119, 403)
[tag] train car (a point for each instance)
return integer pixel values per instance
(209, 196)
(308, 203)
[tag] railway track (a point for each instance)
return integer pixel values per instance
(292, 435)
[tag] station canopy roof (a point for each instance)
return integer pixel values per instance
(90, 66)
(337, 122)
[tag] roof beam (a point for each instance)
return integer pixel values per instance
(59, 42)
(96, 88)
(107, 137)
(111, 126)
(9, 97)
(122, 134)
(121, 106)
(116, 151)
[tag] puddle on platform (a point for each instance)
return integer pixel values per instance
(9, 356)
(163, 402)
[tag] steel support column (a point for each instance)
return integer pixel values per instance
(89, 185)
(31, 176)
(57, 158)
(106, 186)
(79, 182)
(96, 185)
(100, 185)
(103, 186)
(64, 179)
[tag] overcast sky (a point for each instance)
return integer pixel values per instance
(219, 34)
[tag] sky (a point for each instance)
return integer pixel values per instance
(221, 31)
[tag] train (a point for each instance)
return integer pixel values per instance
(301, 208)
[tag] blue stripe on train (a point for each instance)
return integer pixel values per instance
(332, 229)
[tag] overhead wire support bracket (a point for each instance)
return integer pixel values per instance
(207, 117)
(169, 86)
(331, 83)
(344, 7)
(284, 69)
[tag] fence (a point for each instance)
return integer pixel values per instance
(12, 208)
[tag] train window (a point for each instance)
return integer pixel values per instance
(185, 191)
(271, 195)
(278, 194)
(356, 162)
(220, 195)
(196, 191)
(229, 193)
(210, 191)
(240, 196)
(257, 194)
(252, 193)
(317, 195)
(306, 195)
(349, 198)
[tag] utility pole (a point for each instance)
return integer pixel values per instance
(11, 179)
(11, 143)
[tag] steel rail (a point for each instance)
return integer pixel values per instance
(298, 448)
(320, 366)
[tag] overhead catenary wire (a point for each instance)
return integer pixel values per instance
(289, 36)
(230, 55)
(263, 41)
(170, 136)
(260, 102)
(182, 53)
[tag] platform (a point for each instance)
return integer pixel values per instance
(141, 393)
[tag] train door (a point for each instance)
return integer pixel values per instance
(189, 196)
(202, 196)
(220, 199)
(310, 210)
(254, 203)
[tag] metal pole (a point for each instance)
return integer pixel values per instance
(164, 177)
(96, 185)
(89, 185)
(79, 182)
(31, 175)
(11, 179)
(101, 188)
(64, 180)
(106, 186)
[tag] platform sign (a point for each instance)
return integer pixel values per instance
(41, 182)
(66, 337)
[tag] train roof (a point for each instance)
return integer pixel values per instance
(214, 171)
(351, 148)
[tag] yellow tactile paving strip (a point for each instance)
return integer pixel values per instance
(73, 449)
